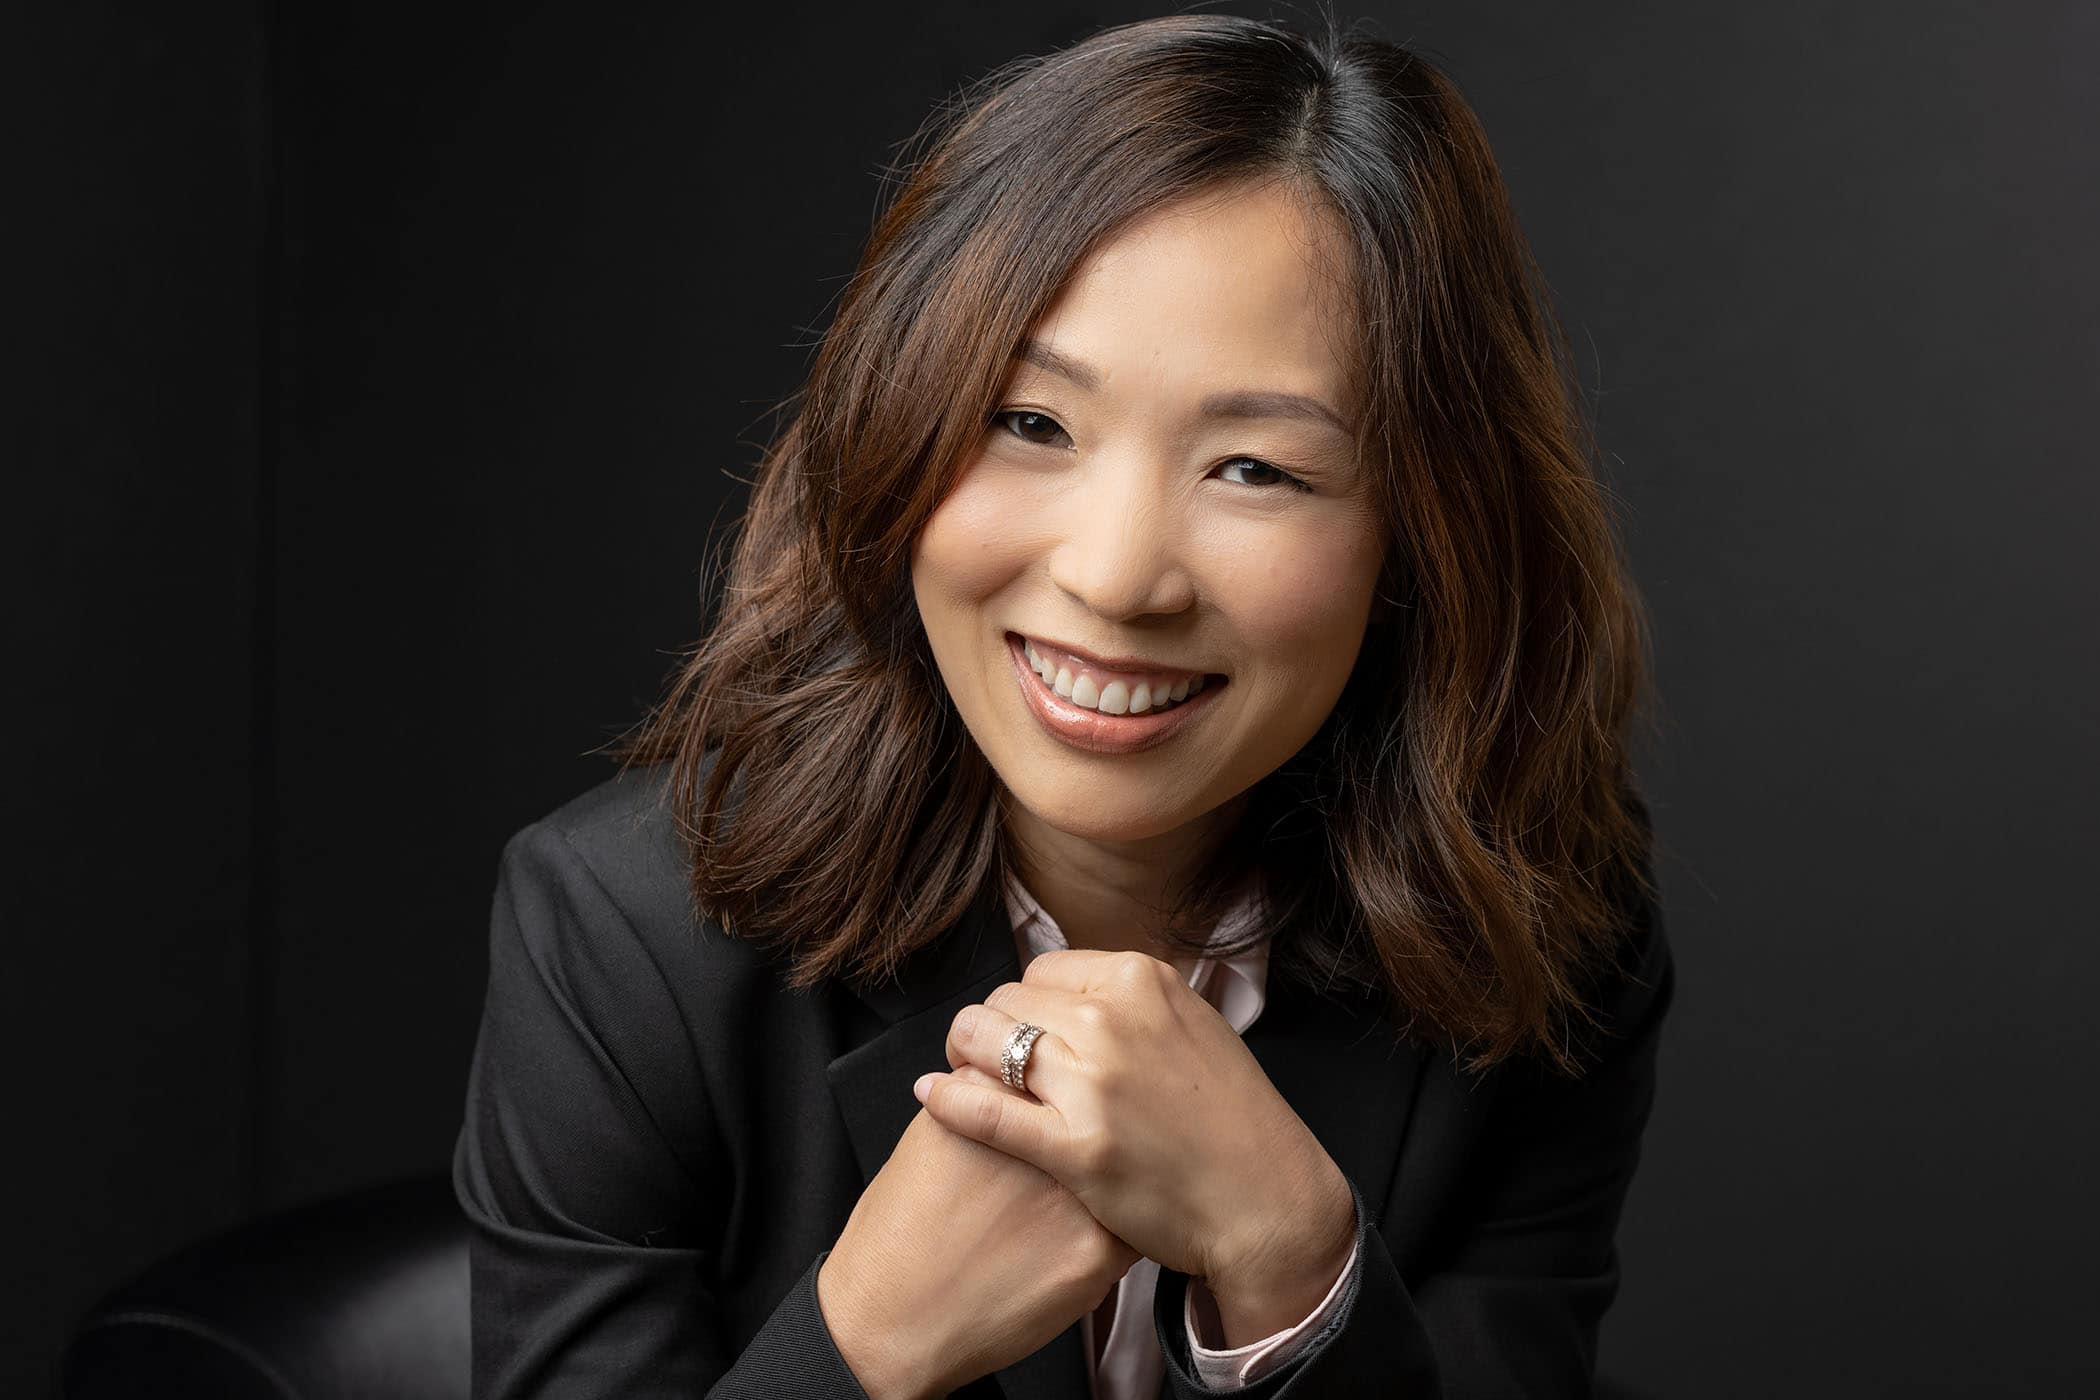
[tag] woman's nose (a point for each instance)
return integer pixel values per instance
(1120, 550)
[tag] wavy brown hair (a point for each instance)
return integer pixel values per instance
(1462, 838)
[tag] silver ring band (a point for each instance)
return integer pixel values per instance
(1013, 1059)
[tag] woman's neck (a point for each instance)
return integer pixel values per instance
(1110, 894)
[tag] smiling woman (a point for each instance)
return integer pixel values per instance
(1142, 884)
(1198, 512)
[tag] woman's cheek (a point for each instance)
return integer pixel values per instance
(1316, 575)
(976, 538)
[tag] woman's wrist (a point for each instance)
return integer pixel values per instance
(1280, 1288)
(875, 1353)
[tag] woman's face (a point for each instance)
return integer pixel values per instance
(1164, 496)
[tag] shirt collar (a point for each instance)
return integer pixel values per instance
(1236, 985)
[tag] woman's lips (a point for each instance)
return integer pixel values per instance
(1095, 731)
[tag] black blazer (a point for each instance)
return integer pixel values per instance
(662, 1143)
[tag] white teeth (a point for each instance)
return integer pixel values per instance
(1117, 697)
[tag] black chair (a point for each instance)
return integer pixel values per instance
(363, 1297)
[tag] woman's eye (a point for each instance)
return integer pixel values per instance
(1026, 424)
(1276, 476)
(1031, 423)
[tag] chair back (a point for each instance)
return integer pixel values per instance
(363, 1297)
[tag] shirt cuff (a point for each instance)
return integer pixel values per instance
(1241, 1366)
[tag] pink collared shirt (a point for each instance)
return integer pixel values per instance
(1131, 1366)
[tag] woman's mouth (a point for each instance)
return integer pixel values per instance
(1105, 711)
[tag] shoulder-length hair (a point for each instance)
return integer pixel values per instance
(1463, 834)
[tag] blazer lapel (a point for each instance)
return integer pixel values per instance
(1345, 1073)
(872, 1081)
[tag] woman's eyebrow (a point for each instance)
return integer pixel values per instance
(1272, 403)
(1234, 403)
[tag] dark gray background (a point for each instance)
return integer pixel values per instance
(380, 376)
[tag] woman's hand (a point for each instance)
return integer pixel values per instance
(959, 1259)
(1148, 1107)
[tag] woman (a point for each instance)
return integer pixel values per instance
(1140, 889)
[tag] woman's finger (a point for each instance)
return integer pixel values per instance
(969, 1103)
(979, 1034)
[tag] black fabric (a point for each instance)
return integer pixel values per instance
(662, 1141)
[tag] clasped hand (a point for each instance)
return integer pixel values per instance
(1144, 1103)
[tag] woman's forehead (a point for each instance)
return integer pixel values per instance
(1230, 294)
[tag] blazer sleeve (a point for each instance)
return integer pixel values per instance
(1513, 1306)
(583, 1163)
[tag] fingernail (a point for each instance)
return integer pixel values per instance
(918, 1087)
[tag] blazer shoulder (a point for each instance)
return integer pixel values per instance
(617, 844)
(624, 830)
